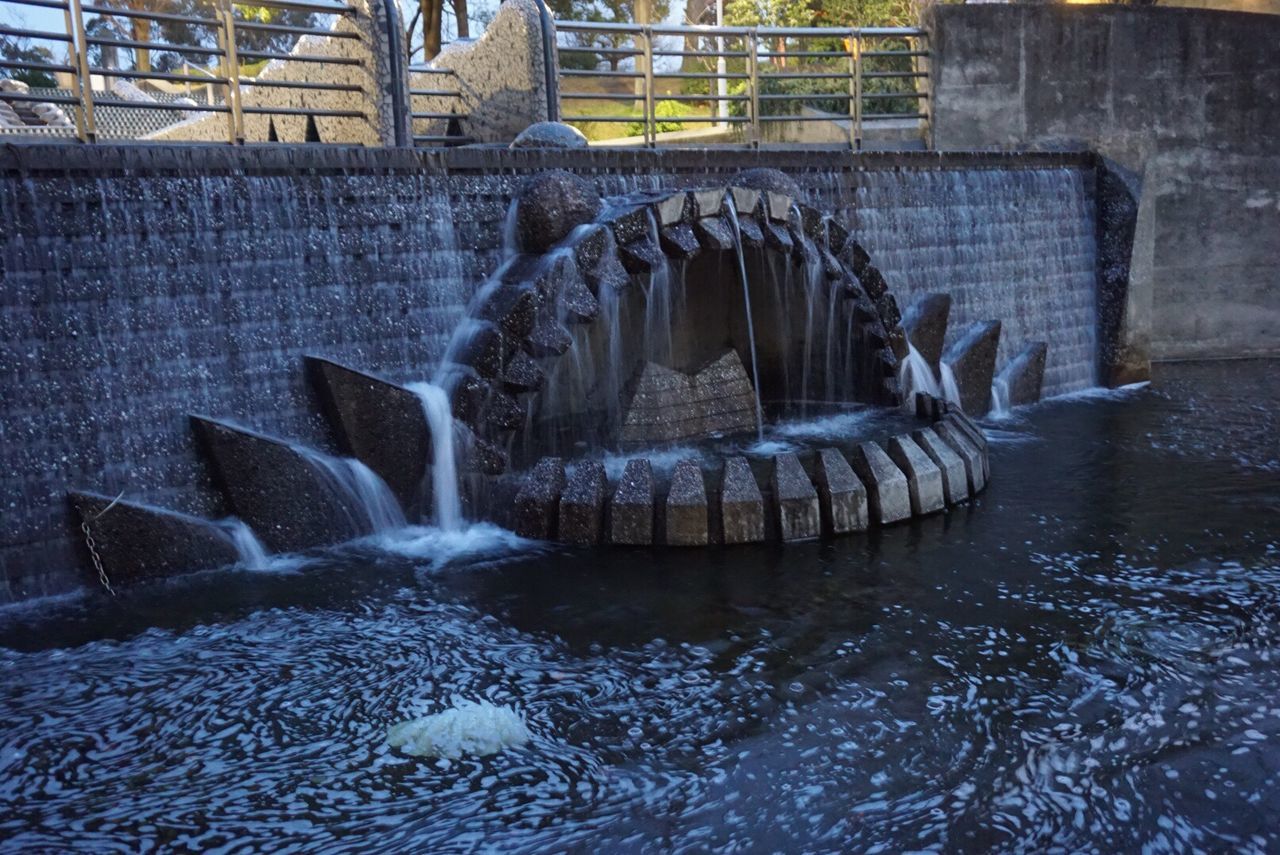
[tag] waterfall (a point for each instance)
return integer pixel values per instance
(369, 502)
(250, 550)
(915, 375)
(999, 398)
(950, 388)
(746, 299)
(444, 468)
(510, 232)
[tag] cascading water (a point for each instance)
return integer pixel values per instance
(746, 300)
(444, 469)
(999, 398)
(950, 388)
(368, 501)
(916, 375)
(250, 550)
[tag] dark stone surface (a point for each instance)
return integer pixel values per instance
(631, 516)
(798, 513)
(972, 358)
(550, 205)
(1024, 374)
(484, 350)
(925, 324)
(974, 472)
(550, 135)
(548, 338)
(842, 496)
(872, 282)
(679, 240)
(522, 374)
(777, 236)
(582, 504)
(537, 505)
(765, 179)
(924, 478)
(687, 521)
(138, 542)
(888, 495)
(380, 424)
(1117, 221)
(749, 229)
(287, 499)
(513, 306)
(955, 484)
(629, 221)
(597, 258)
(714, 233)
(642, 256)
(741, 504)
(973, 431)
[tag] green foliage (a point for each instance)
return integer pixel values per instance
(662, 110)
(20, 50)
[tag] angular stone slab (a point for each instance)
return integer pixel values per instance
(741, 503)
(378, 423)
(777, 236)
(597, 258)
(842, 497)
(676, 208)
(974, 472)
(484, 348)
(778, 205)
(582, 504)
(679, 240)
(888, 495)
(872, 282)
(138, 542)
(281, 492)
(749, 228)
(631, 519)
(1024, 375)
(537, 505)
(708, 203)
(745, 200)
(799, 513)
(687, 517)
(714, 233)
(925, 323)
(522, 374)
(974, 434)
(924, 478)
(972, 358)
(513, 306)
(955, 483)
(630, 222)
(642, 256)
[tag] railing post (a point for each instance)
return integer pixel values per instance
(850, 46)
(231, 60)
(753, 85)
(86, 124)
(857, 88)
(650, 107)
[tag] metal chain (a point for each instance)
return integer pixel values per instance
(97, 559)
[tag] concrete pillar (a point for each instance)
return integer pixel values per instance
(842, 497)
(924, 478)
(687, 519)
(631, 517)
(888, 495)
(582, 505)
(955, 483)
(537, 511)
(741, 504)
(799, 516)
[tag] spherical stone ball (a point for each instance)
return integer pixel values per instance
(550, 135)
(550, 205)
(767, 180)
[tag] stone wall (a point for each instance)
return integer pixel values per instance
(146, 283)
(1187, 101)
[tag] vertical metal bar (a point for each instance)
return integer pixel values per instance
(232, 72)
(849, 45)
(857, 92)
(650, 108)
(753, 81)
(86, 125)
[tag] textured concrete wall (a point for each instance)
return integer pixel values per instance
(1188, 101)
(145, 283)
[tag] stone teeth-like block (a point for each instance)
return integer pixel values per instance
(642, 256)
(779, 205)
(537, 506)
(708, 203)
(687, 518)
(582, 504)
(799, 515)
(522, 373)
(888, 494)
(749, 228)
(679, 240)
(714, 233)
(974, 472)
(673, 209)
(631, 521)
(974, 433)
(842, 497)
(972, 358)
(777, 236)
(1024, 375)
(745, 200)
(924, 478)
(925, 323)
(955, 483)
(741, 504)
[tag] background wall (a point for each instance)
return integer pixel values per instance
(1187, 102)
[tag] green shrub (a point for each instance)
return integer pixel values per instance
(662, 110)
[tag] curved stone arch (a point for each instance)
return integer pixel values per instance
(520, 322)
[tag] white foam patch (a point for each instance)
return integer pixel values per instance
(1101, 393)
(828, 428)
(477, 729)
(768, 448)
(663, 460)
(441, 547)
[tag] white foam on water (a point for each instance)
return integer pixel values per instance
(826, 428)
(663, 459)
(1101, 393)
(768, 448)
(475, 543)
(469, 728)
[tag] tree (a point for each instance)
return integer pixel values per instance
(15, 49)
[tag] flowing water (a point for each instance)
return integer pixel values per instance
(746, 300)
(444, 460)
(916, 375)
(366, 498)
(1084, 659)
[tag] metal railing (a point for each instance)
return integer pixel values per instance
(740, 79)
(215, 41)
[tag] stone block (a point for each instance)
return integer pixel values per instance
(975, 435)
(1023, 376)
(537, 505)
(714, 233)
(955, 483)
(842, 497)
(974, 472)
(924, 478)
(676, 208)
(679, 240)
(708, 203)
(687, 518)
(522, 374)
(642, 256)
(749, 229)
(972, 358)
(925, 324)
(798, 513)
(741, 504)
(777, 236)
(582, 504)
(631, 519)
(888, 495)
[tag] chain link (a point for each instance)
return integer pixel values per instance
(97, 559)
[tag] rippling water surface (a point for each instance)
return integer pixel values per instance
(1084, 659)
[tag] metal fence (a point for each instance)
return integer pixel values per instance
(201, 71)
(743, 81)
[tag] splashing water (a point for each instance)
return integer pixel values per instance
(746, 299)
(469, 728)
(368, 500)
(444, 469)
(915, 374)
(250, 550)
(950, 388)
(999, 398)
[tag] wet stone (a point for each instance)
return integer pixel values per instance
(537, 505)
(1023, 376)
(577, 303)
(630, 223)
(687, 519)
(550, 135)
(708, 203)
(872, 282)
(642, 256)
(766, 179)
(926, 325)
(777, 237)
(974, 472)
(484, 350)
(973, 432)
(814, 223)
(831, 265)
(676, 208)
(679, 240)
(799, 516)
(513, 307)
(714, 233)
(887, 306)
(852, 253)
(749, 228)
(741, 504)
(972, 358)
(551, 204)
(631, 520)
(888, 495)
(842, 497)
(548, 338)
(522, 373)
(955, 483)
(582, 504)
(924, 478)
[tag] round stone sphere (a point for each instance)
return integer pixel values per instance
(767, 180)
(550, 205)
(550, 135)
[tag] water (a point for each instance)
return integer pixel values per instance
(1091, 667)
(999, 398)
(950, 388)
(746, 300)
(444, 461)
(251, 551)
(915, 375)
(366, 498)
